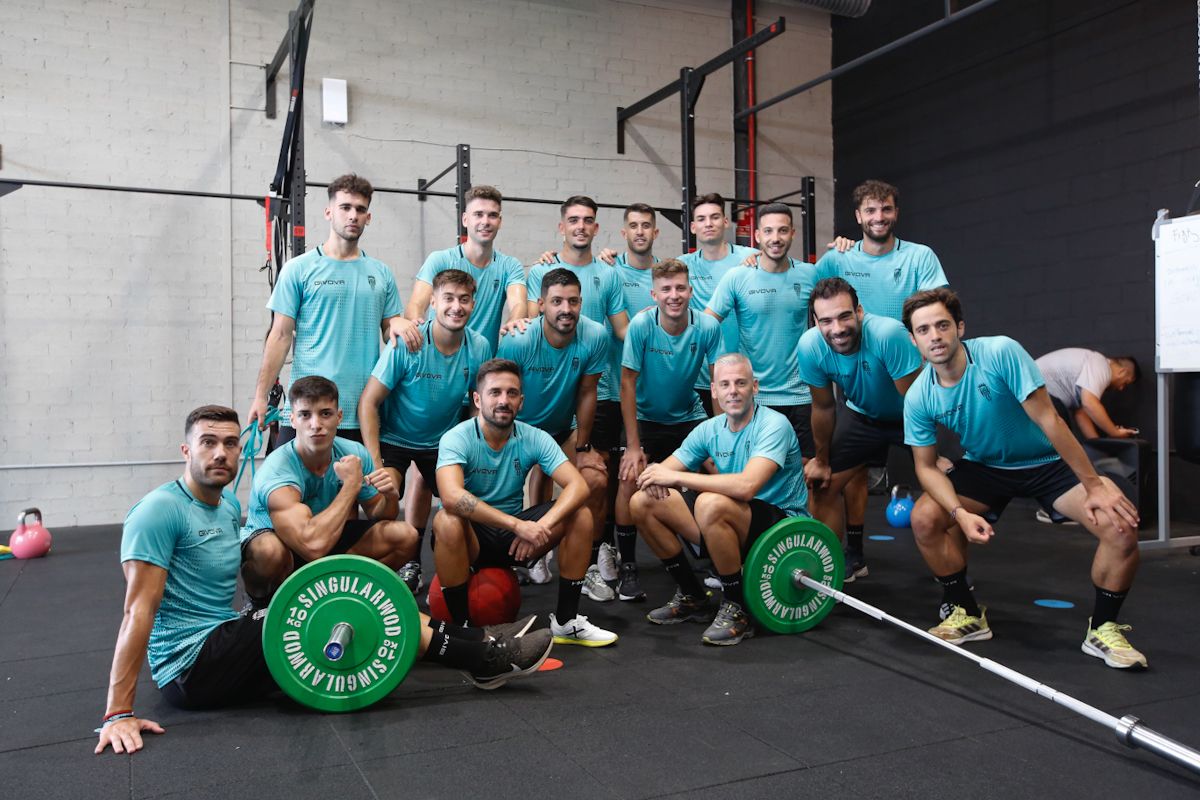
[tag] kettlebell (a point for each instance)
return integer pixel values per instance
(30, 539)
(899, 511)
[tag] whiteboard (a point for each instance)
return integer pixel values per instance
(1177, 295)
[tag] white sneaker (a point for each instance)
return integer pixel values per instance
(608, 561)
(540, 573)
(595, 588)
(580, 631)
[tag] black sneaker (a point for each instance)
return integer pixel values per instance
(509, 630)
(731, 625)
(628, 588)
(681, 608)
(410, 573)
(511, 658)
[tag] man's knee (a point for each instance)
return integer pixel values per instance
(398, 536)
(928, 519)
(640, 506)
(266, 555)
(449, 530)
(712, 508)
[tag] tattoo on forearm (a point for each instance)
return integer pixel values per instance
(466, 504)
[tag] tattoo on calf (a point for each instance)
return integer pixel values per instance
(466, 504)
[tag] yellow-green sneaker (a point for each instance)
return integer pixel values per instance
(960, 627)
(1109, 642)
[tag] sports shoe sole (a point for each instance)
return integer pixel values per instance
(974, 636)
(588, 594)
(856, 574)
(488, 684)
(1096, 652)
(584, 642)
(701, 616)
(631, 598)
(749, 634)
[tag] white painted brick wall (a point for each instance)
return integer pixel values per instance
(121, 312)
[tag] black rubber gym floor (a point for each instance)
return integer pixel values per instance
(855, 708)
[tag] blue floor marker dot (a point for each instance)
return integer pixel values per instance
(880, 537)
(1046, 603)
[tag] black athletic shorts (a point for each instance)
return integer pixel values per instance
(705, 396)
(859, 440)
(287, 433)
(801, 419)
(763, 516)
(660, 439)
(995, 487)
(608, 427)
(398, 458)
(230, 668)
(353, 530)
(494, 543)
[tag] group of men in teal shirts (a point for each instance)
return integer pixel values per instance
(602, 379)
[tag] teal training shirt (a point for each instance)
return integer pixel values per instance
(197, 544)
(983, 408)
(667, 365)
(550, 376)
(427, 389)
(602, 298)
(491, 285)
(284, 468)
(884, 282)
(338, 307)
(772, 312)
(497, 477)
(704, 276)
(867, 378)
(635, 286)
(769, 435)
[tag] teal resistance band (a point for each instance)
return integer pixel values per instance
(254, 442)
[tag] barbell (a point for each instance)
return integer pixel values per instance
(793, 578)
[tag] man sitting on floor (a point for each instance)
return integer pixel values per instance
(180, 555)
(759, 481)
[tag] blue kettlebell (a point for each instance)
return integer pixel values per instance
(899, 511)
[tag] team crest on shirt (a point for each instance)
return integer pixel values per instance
(896, 274)
(799, 289)
(866, 365)
(496, 283)
(574, 363)
(371, 282)
(466, 373)
(985, 391)
(517, 465)
(692, 348)
(596, 281)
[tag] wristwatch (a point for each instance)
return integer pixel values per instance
(586, 447)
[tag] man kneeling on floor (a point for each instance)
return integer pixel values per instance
(759, 481)
(180, 554)
(481, 470)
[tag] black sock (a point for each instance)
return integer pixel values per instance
(731, 587)
(957, 592)
(568, 600)
(1108, 606)
(854, 537)
(679, 569)
(456, 631)
(458, 603)
(609, 532)
(595, 553)
(457, 653)
(627, 543)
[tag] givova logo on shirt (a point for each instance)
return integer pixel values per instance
(338, 282)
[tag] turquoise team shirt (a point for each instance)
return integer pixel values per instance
(772, 312)
(549, 376)
(635, 286)
(427, 389)
(283, 467)
(983, 408)
(491, 285)
(704, 276)
(338, 307)
(197, 544)
(498, 477)
(769, 435)
(884, 282)
(602, 298)
(867, 378)
(667, 365)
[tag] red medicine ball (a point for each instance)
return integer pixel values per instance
(493, 595)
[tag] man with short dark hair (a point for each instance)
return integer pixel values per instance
(411, 399)
(482, 466)
(1076, 380)
(713, 257)
(770, 302)
(989, 391)
(873, 362)
(759, 482)
(665, 349)
(330, 303)
(180, 556)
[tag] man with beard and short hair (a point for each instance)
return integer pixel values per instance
(482, 465)
(989, 391)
